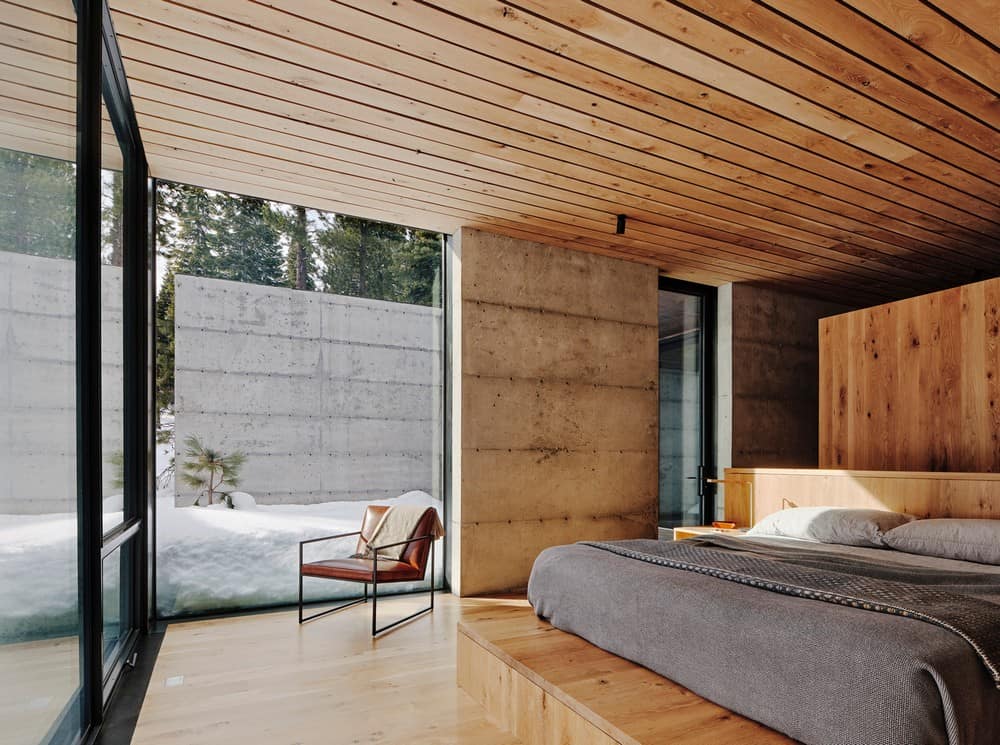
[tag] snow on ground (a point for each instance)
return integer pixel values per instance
(208, 559)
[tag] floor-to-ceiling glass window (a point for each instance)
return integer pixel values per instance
(117, 558)
(300, 379)
(62, 635)
(39, 618)
(685, 324)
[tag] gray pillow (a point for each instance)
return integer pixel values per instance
(846, 526)
(949, 538)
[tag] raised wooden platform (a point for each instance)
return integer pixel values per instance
(546, 686)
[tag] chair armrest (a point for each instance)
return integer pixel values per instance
(376, 549)
(329, 537)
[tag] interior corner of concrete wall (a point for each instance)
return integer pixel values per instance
(768, 355)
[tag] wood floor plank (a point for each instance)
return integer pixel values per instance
(37, 681)
(265, 679)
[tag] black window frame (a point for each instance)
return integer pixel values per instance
(101, 83)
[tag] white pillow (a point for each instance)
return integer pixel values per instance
(846, 526)
(949, 538)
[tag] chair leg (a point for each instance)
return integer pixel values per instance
(374, 593)
(303, 619)
(375, 629)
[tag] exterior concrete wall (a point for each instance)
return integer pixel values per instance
(558, 405)
(329, 397)
(38, 381)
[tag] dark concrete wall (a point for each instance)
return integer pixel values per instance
(769, 377)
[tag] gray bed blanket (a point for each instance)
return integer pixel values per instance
(821, 672)
(859, 583)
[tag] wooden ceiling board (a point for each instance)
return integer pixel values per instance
(679, 178)
(283, 123)
(836, 214)
(38, 86)
(841, 149)
(723, 115)
(731, 141)
(980, 16)
(679, 240)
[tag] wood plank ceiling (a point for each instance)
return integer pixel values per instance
(842, 148)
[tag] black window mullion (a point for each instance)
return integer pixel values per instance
(137, 446)
(88, 352)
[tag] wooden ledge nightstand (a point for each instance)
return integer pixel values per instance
(691, 531)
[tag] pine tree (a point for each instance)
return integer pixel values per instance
(111, 218)
(358, 256)
(249, 245)
(417, 269)
(208, 470)
(187, 229)
(187, 239)
(300, 264)
(37, 205)
(164, 330)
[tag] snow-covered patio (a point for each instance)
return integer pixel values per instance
(208, 559)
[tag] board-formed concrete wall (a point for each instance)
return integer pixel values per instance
(557, 405)
(330, 397)
(38, 381)
(767, 409)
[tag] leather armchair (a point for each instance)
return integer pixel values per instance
(411, 566)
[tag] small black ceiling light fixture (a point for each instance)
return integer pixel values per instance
(620, 226)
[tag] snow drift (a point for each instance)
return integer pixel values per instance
(208, 559)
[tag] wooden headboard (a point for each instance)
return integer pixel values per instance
(924, 494)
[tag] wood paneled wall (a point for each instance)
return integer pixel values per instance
(558, 423)
(913, 385)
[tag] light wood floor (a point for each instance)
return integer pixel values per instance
(37, 681)
(263, 679)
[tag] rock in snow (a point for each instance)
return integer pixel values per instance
(240, 500)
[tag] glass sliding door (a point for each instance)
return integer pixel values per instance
(40, 675)
(686, 321)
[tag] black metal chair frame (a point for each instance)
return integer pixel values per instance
(375, 549)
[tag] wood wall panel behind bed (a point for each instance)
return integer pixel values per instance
(913, 385)
(920, 493)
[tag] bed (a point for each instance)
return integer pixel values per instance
(819, 671)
